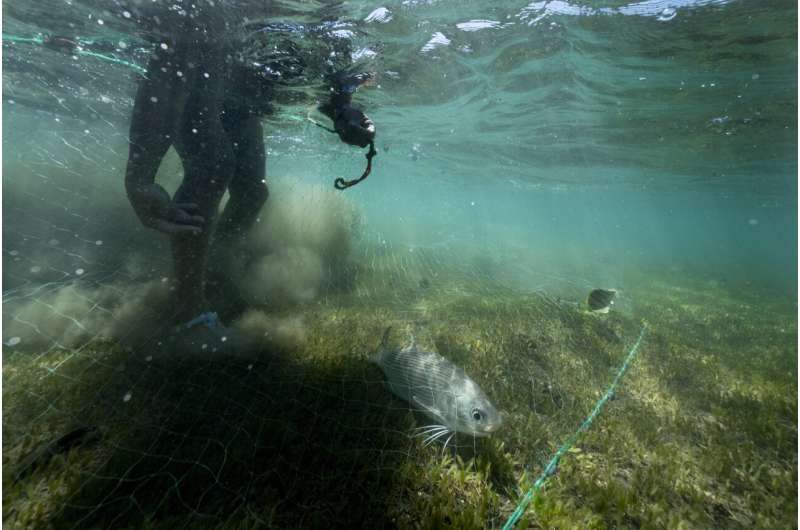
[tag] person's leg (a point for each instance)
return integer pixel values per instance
(205, 188)
(248, 187)
(208, 165)
(247, 194)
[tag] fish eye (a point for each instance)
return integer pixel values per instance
(477, 415)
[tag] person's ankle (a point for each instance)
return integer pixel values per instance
(186, 314)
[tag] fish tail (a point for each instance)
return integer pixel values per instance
(383, 348)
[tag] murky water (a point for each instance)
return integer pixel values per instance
(526, 154)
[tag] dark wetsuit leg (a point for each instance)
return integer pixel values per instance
(207, 157)
(248, 192)
(205, 149)
(248, 187)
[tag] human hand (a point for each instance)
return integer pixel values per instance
(353, 126)
(156, 210)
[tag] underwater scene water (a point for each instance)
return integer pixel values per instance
(564, 297)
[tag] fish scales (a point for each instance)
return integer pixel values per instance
(421, 376)
(441, 389)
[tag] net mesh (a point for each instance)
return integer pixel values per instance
(103, 427)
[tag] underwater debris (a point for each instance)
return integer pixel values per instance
(40, 456)
(442, 390)
(601, 300)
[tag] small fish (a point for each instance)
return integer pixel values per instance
(440, 389)
(601, 300)
(40, 456)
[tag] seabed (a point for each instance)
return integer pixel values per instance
(301, 432)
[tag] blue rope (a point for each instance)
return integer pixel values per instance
(78, 51)
(551, 467)
(112, 59)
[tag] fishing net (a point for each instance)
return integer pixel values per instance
(102, 427)
(105, 427)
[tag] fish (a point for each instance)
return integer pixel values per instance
(439, 389)
(40, 456)
(601, 300)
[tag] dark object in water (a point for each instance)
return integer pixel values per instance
(40, 456)
(600, 300)
(341, 184)
(55, 42)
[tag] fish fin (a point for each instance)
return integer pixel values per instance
(385, 339)
(383, 348)
(432, 410)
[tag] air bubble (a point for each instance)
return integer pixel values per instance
(127, 397)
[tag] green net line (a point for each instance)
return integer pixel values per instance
(30, 40)
(553, 464)
(78, 51)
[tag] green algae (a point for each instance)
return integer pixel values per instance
(702, 432)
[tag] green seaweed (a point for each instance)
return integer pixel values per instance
(701, 433)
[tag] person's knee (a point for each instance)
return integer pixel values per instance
(261, 194)
(252, 196)
(204, 193)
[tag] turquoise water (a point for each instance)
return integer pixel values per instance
(652, 131)
(524, 150)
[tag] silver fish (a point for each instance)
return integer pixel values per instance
(601, 300)
(440, 389)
